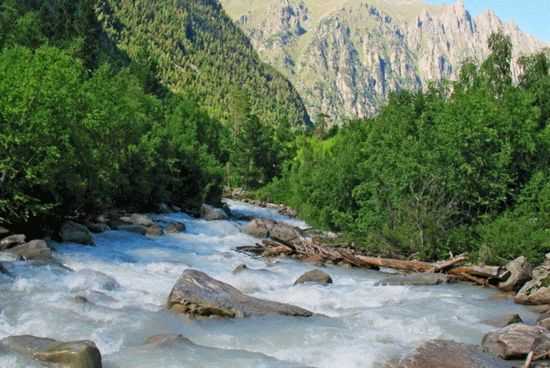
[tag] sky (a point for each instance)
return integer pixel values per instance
(532, 16)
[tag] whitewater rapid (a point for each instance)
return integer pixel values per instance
(127, 279)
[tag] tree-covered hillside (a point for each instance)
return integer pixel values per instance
(130, 104)
(197, 48)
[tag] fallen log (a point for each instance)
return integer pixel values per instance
(445, 265)
(479, 271)
(397, 264)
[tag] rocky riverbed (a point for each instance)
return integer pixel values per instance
(144, 296)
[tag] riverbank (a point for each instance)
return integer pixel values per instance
(118, 289)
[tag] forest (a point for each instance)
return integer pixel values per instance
(461, 167)
(94, 115)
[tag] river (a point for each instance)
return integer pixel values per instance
(127, 278)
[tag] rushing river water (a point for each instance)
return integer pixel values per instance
(128, 277)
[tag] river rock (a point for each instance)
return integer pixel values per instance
(516, 341)
(174, 227)
(544, 322)
(71, 232)
(504, 321)
(12, 241)
(415, 279)
(33, 250)
(211, 213)
(167, 340)
(137, 229)
(153, 230)
(519, 272)
(198, 295)
(537, 291)
(98, 227)
(314, 276)
(449, 354)
(279, 231)
(76, 354)
(140, 219)
(240, 268)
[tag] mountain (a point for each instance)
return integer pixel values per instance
(196, 48)
(346, 56)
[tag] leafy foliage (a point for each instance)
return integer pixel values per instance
(446, 170)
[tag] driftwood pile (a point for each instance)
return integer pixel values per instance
(285, 240)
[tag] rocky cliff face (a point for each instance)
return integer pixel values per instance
(346, 56)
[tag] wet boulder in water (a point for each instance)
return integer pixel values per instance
(153, 230)
(314, 276)
(71, 232)
(167, 340)
(536, 291)
(140, 219)
(279, 231)
(12, 241)
(519, 272)
(76, 354)
(33, 250)
(211, 213)
(174, 228)
(136, 229)
(198, 295)
(449, 354)
(516, 341)
(415, 279)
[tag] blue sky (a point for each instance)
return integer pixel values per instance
(532, 16)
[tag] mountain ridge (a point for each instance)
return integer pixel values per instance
(346, 57)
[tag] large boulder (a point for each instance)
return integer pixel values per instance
(449, 354)
(516, 341)
(211, 213)
(12, 241)
(279, 231)
(314, 276)
(537, 291)
(36, 250)
(76, 354)
(198, 295)
(137, 229)
(519, 272)
(72, 232)
(415, 279)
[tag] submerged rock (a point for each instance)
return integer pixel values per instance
(168, 340)
(211, 213)
(415, 279)
(504, 321)
(71, 232)
(519, 272)
(449, 354)
(33, 250)
(174, 227)
(537, 291)
(198, 295)
(137, 229)
(516, 341)
(314, 276)
(76, 354)
(12, 241)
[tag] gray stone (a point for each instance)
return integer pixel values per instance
(75, 354)
(315, 276)
(536, 291)
(516, 341)
(71, 232)
(415, 279)
(12, 241)
(197, 295)
(33, 250)
(519, 272)
(140, 219)
(98, 227)
(449, 354)
(211, 213)
(280, 231)
(504, 321)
